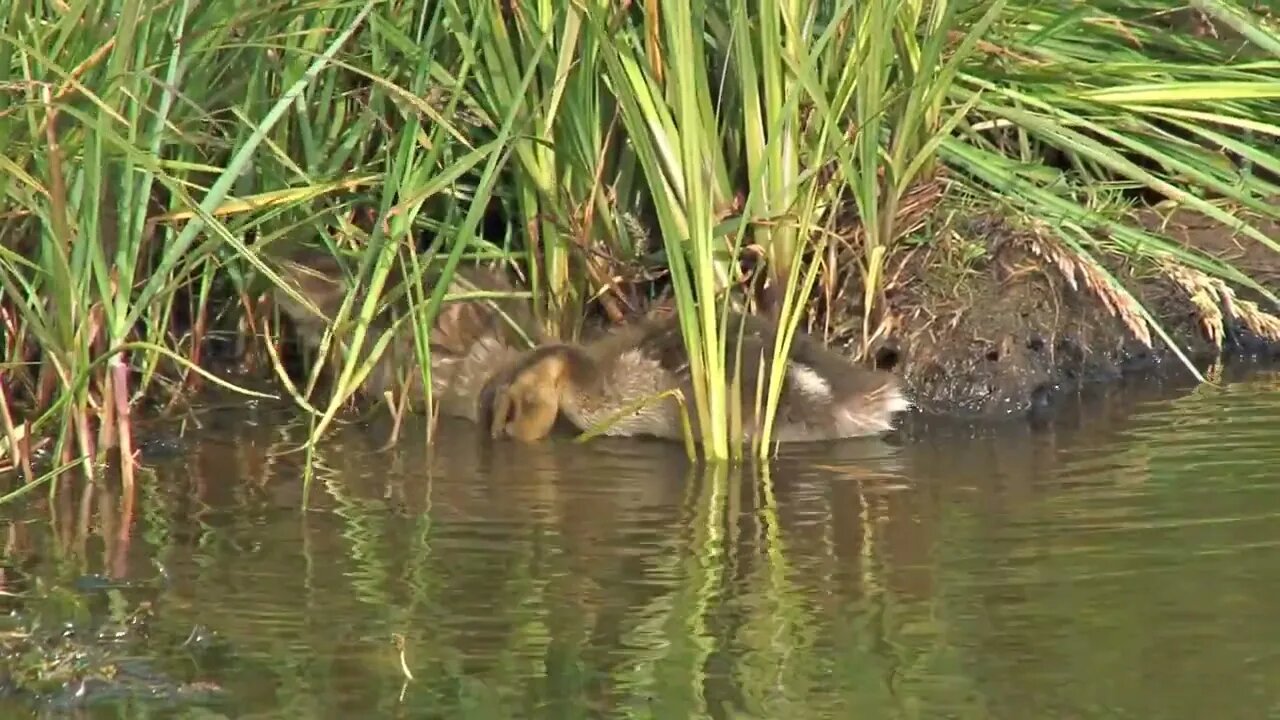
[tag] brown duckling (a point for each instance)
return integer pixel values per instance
(469, 339)
(824, 396)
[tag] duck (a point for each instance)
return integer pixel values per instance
(469, 340)
(825, 396)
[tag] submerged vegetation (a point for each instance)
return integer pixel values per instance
(795, 158)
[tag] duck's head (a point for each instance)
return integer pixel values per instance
(526, 407)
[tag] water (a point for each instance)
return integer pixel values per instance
(1118, 561)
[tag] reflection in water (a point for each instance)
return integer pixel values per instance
(1115, 560)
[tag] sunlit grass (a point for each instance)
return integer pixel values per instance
(158, 154)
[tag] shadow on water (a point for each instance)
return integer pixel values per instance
(1114, 560)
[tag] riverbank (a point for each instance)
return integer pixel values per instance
(994, 319)
(989, 317)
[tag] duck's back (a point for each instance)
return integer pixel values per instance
(824, 394)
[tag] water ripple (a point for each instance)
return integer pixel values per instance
(1117, 562)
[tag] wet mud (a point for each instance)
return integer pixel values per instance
(998, 320)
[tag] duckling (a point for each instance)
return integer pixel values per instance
(468, 340)
(824, 396)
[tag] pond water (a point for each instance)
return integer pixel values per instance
(1118, 560)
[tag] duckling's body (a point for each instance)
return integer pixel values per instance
(824, 396)
(469, 340)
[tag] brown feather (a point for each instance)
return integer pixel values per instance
(823, 396)
(468, 338)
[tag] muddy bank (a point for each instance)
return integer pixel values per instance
(995, 319)
(989, 317)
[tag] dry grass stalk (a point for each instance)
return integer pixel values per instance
(1079, 269)
(1208, 295)
(1216, 302)
(1263, 323)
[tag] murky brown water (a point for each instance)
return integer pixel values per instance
(1121, 561)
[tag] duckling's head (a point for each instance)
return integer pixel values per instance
(526, 408)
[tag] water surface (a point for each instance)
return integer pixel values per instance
(1119, 560)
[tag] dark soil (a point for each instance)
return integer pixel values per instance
(991, 320)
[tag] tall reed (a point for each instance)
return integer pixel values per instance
(155, 152)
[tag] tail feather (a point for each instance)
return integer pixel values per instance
(871, 411)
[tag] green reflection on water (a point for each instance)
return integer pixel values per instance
(1120, 563)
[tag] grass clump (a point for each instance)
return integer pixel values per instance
(159, 153)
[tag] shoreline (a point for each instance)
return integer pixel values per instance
(989, 320)
(1026, 319)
